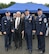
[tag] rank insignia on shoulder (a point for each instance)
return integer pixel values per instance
(45, 20)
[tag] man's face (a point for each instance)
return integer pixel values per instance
(7, 14)
(18, 14)
(27, 13)
(40, 12)
(14, 16)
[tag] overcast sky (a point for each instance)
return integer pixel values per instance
(24, 1)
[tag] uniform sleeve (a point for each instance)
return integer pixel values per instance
(3, 27)
(43, 28)
(45, 19)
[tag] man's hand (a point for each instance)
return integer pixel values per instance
(41, 33)
(0, 32)
(12, 30)
(34, 31)
(4, 33)
(22, 32)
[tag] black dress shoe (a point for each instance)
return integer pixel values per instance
(41, 52)
(6, 49)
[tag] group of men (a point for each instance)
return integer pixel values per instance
(14, 27)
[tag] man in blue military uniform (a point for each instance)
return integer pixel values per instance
(7, 29)
(28, 27)
(41, 30)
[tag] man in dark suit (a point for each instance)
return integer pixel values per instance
(18, 30)
(7, 29)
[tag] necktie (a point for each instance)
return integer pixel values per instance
(17, 22)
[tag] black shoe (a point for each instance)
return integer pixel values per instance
(41, 52)
(6, 49)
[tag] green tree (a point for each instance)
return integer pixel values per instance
(2, 5)
(11, 3)
(47, 5)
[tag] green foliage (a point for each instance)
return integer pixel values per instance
(11, 3)
(47, 5)
(2, 5)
